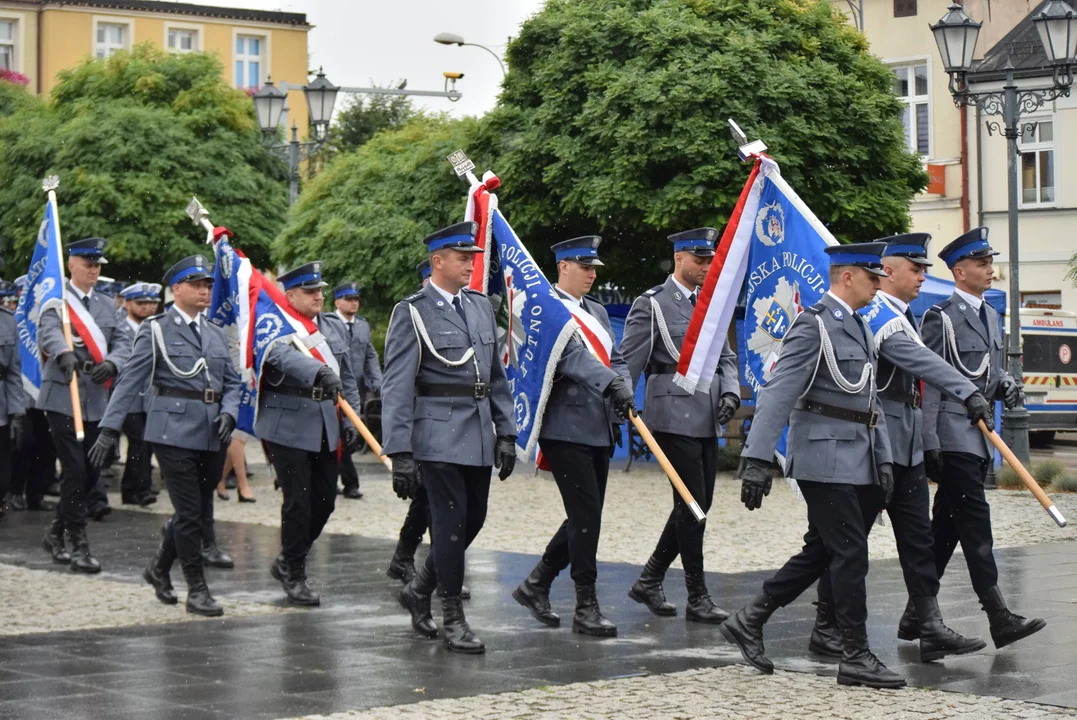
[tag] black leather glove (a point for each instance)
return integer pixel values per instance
(67, 362)
(102, 447)
(886, 482)
(350, 437)
(18, 431)
(1013, 393)
(727, 408)
(618, 441)
(224, 424)
(405, 476)
(329, 382)
(933, 464)
(978, 408)
(620, 394)
(103, 371)
(755, 481)
(505, 455)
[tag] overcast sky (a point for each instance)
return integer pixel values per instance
(364, 41)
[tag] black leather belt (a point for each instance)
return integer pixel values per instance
(87, 367)
(478, 391)
(208, 396)
(912, 399)
(871, 419)
(312, 393)
(661, 369)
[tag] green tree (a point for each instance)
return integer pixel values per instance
(366, 214)
(613, 119)
(363, 117)
(132, 138)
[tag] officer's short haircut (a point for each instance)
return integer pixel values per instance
(836, 271)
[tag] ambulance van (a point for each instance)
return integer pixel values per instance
(1049, 344)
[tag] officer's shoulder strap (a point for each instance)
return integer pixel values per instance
(480, 293)
(158, 316)
(943, 305)
(413, 297)
(332, 317)
(654, 291)
(815, 309)
(5, 310)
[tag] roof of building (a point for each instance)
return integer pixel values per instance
(182, 8)
(1021, 46)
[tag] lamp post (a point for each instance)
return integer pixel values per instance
(446, 38)
(270, 102)
(956, 35)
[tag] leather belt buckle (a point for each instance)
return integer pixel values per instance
(481, 390)
(316, 393)
(209, 396)
(87, 366)
(874, 420)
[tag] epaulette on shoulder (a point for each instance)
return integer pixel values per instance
(413, 297)
(158, 316)
(592, 299)
(814, 309)
(332, 317)
(654, 291)
(475, 292)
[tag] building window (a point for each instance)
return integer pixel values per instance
(904, 8)
(249, 50)
(1038, 165)
(181, 40)
(910, 86)
(7, 44)
(111, 38)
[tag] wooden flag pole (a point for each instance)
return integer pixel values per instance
(674, 478)
(49, 186)
(199, 215)
(1025, 475)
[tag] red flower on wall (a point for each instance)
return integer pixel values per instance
(14, 77)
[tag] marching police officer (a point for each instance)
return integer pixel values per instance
(581, 401)
(446, 403)
(823, 386)
(964, 331)
(298, 420)
(365, 364)
(686, 425)
(903, 359)
(12, 402)
(136, 485)
(102, 344)
(183, 363)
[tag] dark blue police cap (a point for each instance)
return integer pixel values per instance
(972, 244)
(460, 236)
(8, 289)
(92, 249)
(699, 242)
(424, 269)
(307, 276)
(865, 255)
(348, 289)
(582, 250)
(141, 291)
(912, 246)
(20, 282)
(190, 269)
(105, 287)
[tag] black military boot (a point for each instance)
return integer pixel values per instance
(54, 543)
(648, 589)
(534, 594)
(81, 559)
(588, 618)
(859, 666)
(415, 598)
(825, 637)
(213, 556)
(402, 566)
(456, 631)
(936, 640)
(1007, 627)
(701, 608)
(745, 630)
(199, 601)
(157, 573)
(295, 584)
(279, 570)
(909, 625)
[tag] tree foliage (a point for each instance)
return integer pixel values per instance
(365, 116)
(132, 138)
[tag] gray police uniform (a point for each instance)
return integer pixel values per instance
(188, 379)
(12, 396)
(837, 438)
(136, 484)
(367, 368)
(81, 491)
(447, 411)
(683, 423)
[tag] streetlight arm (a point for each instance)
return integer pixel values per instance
(504, 72)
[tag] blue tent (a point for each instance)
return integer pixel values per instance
(935, 290)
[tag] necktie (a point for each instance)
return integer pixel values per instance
(692, 299)
(983, 314)
(194, 328)
(86, 301)
(350, 326)
(909, 317)
(460, 309)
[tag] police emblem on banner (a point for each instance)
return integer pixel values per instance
(770, 224)
(774, 315)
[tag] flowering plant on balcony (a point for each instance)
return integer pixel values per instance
(14, 77)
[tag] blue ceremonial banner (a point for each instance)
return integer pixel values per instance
(787, 272)
(44, 289)
(534, 326)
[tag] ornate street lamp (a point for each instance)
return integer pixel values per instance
(321, 97)
(269, 103)
(956, 35)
